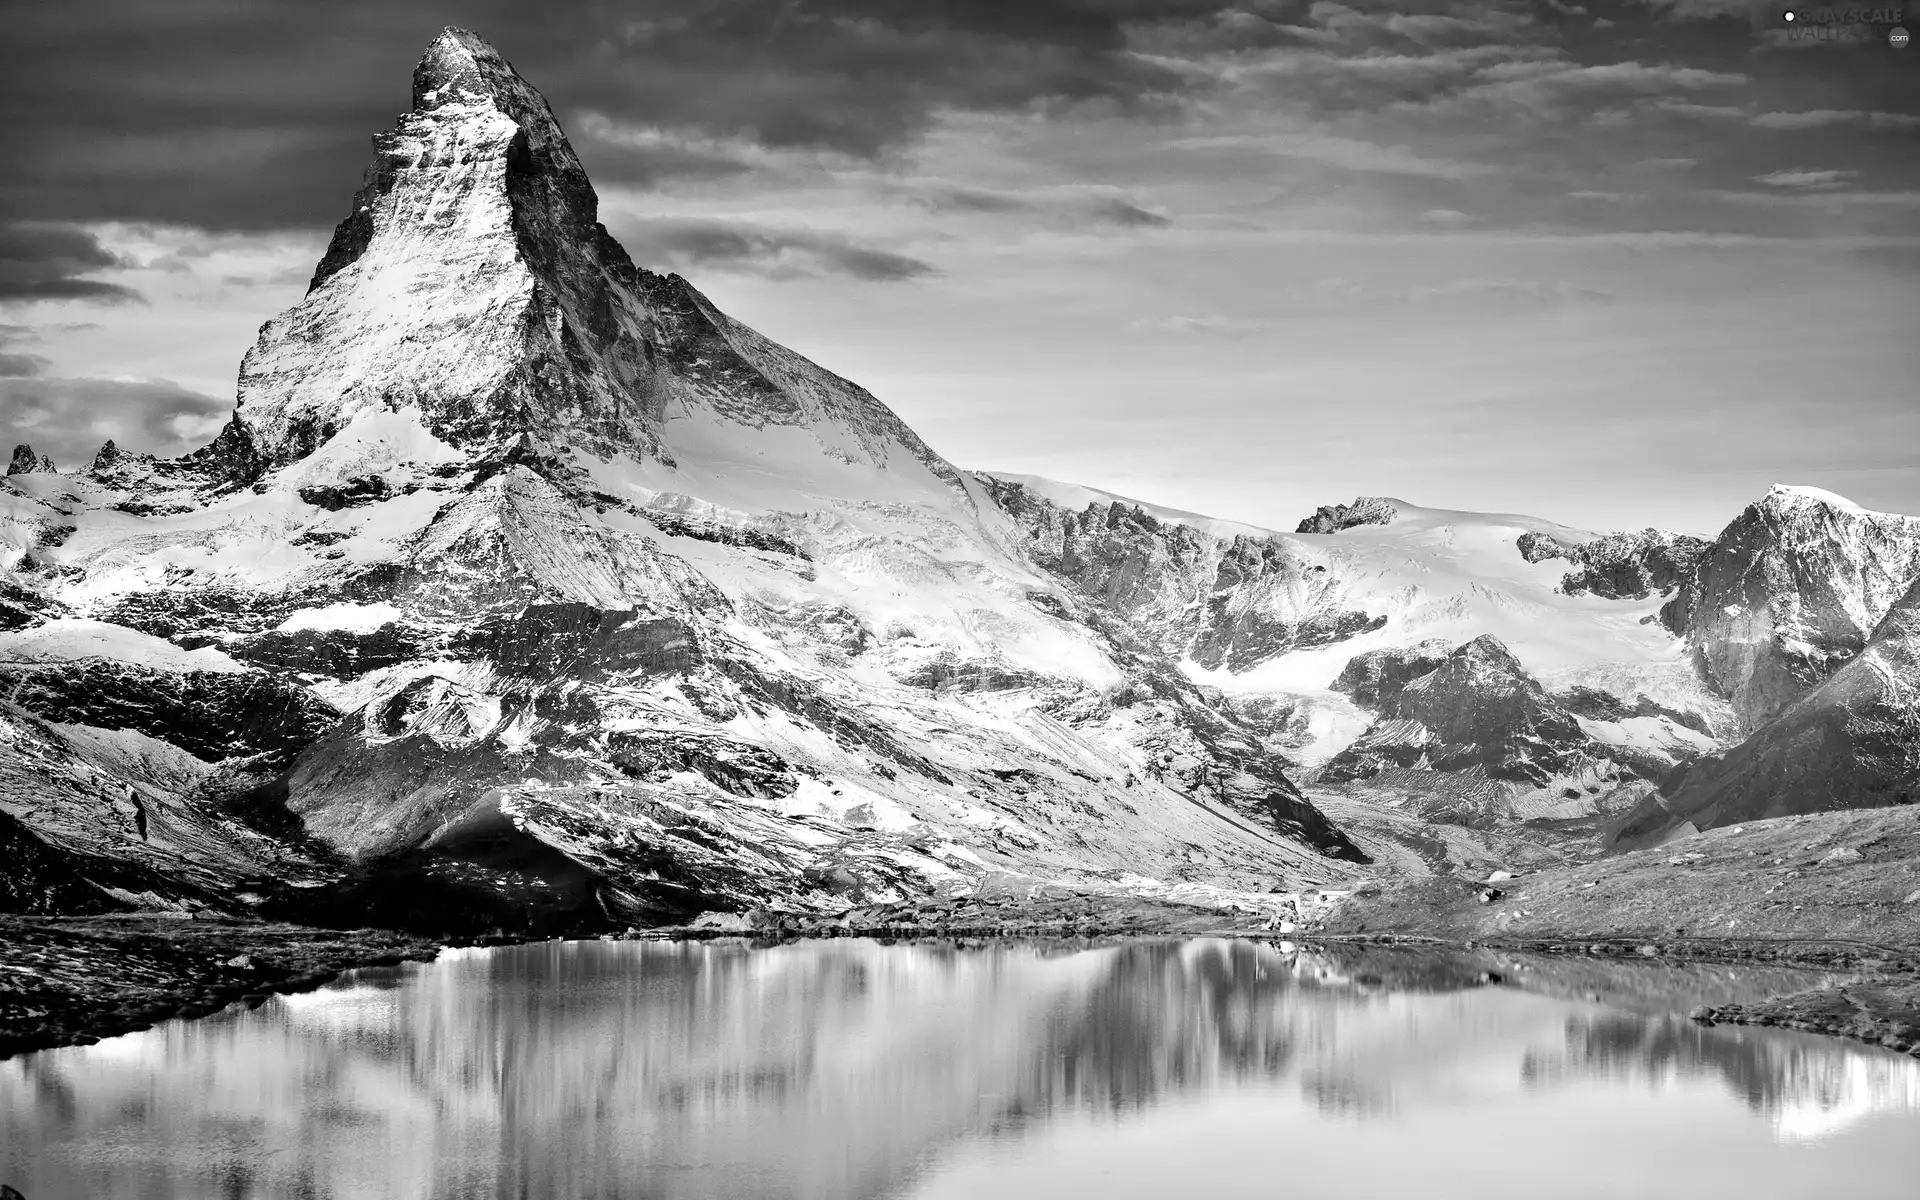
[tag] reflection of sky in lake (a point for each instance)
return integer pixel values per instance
(850, 1069)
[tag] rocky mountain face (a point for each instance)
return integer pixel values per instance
(1853, 741)
(527, 588)
(1789, 592)
(1367, 510)
(1231, 602)
(1468, 735)
(1477, 706)
(1621, 566)
(26, 462)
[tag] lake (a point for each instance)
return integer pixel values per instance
(1007, 1070)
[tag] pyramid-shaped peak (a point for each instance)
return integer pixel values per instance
(462, 68)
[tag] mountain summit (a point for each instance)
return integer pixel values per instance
(471, 305)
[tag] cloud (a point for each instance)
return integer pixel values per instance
(1828, 199)
(68, 419)
(1806, 179)
(759, 250)
(1213, 326)
(1824, 118)
(1504, 291)
(1107, 205)
(1321, 295)
(49, 261)
(1701, 10)
(252, 117)
(1538, 86)
(1709, 112)
(1335, 150)
(19, 366)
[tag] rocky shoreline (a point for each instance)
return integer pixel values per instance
(74, 980)
(1881, 1012)
(70, 981)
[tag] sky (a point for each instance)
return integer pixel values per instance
(1615, 264)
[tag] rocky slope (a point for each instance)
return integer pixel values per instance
(1224, 602)
(525, 587)
(1788, 592)
(1323, 633)
(1851, 742)
(1466, 735)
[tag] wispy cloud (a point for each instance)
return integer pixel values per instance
(1812, 180)
(767, 251)
(1826, 118)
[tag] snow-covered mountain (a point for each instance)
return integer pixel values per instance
(586, 599)
(1852, 741)
(1789, 591)
(1584, 671)
(527, 587)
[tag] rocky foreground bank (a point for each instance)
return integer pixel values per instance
(1839, 893)
(74, 980)
(1834, 890)
(68, 981)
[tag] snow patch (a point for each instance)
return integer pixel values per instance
(77, 640)
(344, 617)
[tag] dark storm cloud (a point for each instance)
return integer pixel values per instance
(68, 419)
(225, 116)
(771, 252)
(49, 261)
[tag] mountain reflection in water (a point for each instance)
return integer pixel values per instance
(855, 1069)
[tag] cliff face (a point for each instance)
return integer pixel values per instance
(1789, 592)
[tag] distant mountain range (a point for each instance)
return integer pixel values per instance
(526, 588)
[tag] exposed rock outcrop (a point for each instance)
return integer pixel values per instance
(1620, 566)
(1788, 593)
(1853, 741)
(1634, 566)
(209, 714)
(1477, 707)
(1332, 518)
(1224, 602)
(1539, 547)
(26, 462)
(1376, 678)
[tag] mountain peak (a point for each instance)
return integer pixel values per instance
(462, 68)
(1787, 495)
(471, 307)
(26, 462)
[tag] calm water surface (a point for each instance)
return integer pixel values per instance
(852, 1069)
